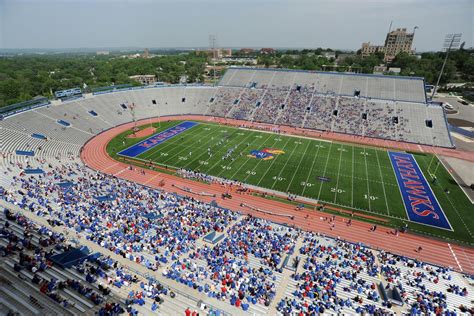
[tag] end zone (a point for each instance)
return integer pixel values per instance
(154, 140)
(420, 202)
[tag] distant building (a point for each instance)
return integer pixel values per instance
(212, 73)
(380, 70)
(102, 52)
(246, 51)
(216, 53)
(329, 55)
(267, 51)
(239, 60)
(394, 70)
(146, 53)
(221, 53)
(368, 49)
(132, 56)
(144, 79)
(396, 42)
(199, 52)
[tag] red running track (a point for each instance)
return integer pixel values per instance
(438, 252)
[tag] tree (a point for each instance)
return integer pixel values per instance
(10, 89)
(26, 76)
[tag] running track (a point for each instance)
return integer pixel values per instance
(438, 252)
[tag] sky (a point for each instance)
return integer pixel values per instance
(337, 24)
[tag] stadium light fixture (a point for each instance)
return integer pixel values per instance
(451, 41)
(213, 46)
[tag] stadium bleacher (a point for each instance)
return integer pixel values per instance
(359, 94)
(244, 268)
(243, 264)
(409, 89)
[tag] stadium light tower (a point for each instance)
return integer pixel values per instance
(213, 46)
(451, 41)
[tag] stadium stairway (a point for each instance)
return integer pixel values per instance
(286, 276)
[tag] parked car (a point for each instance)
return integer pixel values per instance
(448, 106)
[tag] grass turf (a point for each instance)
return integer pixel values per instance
(359, 178)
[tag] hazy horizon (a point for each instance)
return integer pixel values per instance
(166, 24)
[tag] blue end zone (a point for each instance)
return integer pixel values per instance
(420, 202)
(156, 139)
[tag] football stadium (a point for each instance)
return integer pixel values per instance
(292, 168)
(272, 192)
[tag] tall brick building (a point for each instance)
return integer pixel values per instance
(397, 41)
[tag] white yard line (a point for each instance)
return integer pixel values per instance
(199, 156)
(237, 171)
(150, 153)
(179, 152)
(227, 147)
(352, 179)
(383, 185)
(367, 174)
(324, 172)
(297, 168)
(269, 167)
(338, 172)
(284, 166)
(311, 170)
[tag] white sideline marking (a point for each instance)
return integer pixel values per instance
(455, 258)
(121, 171)
(103, 170)
(383, 185)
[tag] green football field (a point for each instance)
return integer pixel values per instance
(346, 175)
